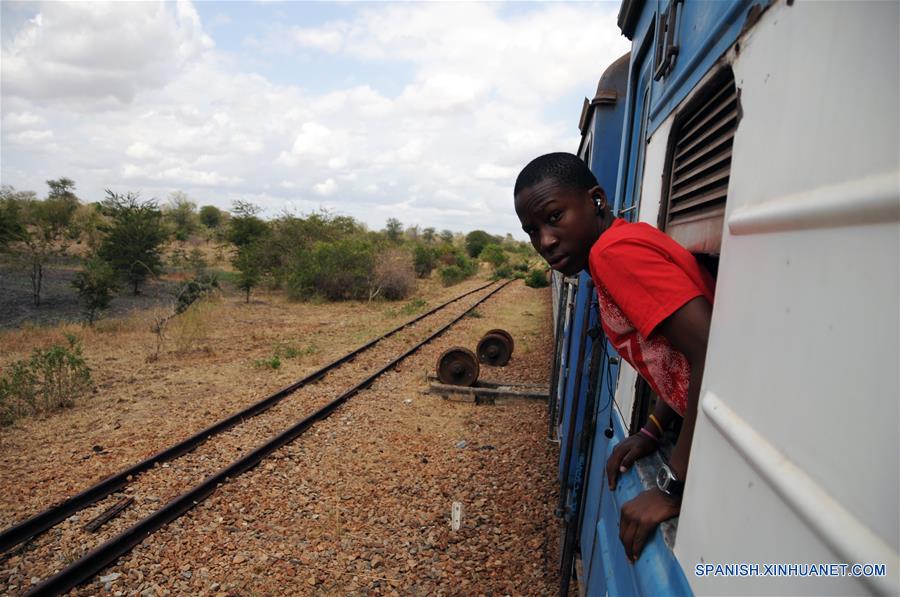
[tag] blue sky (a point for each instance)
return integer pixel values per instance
(419, 111)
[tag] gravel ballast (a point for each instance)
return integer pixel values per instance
(361, 503)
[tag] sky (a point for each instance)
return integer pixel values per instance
(424, 112)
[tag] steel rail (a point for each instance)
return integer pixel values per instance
(105, 554)
(43, 521)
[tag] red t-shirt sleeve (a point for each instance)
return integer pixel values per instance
(646, 284)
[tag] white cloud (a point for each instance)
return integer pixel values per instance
(320, 39)
(31, 137)
(495, 172)
(171, 111)
(21, 120)
(94, 50)
(141, 151)
(442, 91)
(326, 188)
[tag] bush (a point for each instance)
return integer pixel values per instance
(211, 216)
(537, 279)
(337, 271)
(51, 379)
(95, 285)
(476, 241)
(494, 255)
(192, 290)
(424, 260)
(395, 275)
(452, 274)
(273, 363)
(504, 271)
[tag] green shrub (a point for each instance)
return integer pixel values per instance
(424, 260)
(504, 271)
(494, 255)
(203, 285)
(537, 279)
(337, 270)
(290, 351)
(51, 379)
(478, 240)
(414, 306)
(452, 274)
(96, 285)
(273, 363)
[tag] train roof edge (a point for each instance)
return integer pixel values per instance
(629, 13)
(610, 88)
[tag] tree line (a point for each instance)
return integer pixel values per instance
(321, 254)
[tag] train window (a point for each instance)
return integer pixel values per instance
(693, 205)
(644, 402)
(699, 165)
(666, 47)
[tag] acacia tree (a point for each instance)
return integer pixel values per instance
(247, 262)
(181, 214)
(134, 238)
(245, 225)
(393, 228)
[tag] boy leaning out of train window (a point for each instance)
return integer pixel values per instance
(655, 307)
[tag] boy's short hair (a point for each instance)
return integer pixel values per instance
(565, 168)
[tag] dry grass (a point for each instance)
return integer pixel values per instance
(190, 331)
(205, 371)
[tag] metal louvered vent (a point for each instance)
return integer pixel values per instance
(699, 169)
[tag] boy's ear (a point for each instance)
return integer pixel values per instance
(598, 195)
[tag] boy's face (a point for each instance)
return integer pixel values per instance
(561, 223)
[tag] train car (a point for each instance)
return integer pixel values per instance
(764, 137)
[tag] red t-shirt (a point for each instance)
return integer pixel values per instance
(642, 277)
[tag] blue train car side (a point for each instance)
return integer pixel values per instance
(667, 136)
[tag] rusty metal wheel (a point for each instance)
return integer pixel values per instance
(457, 366)
(494, 349)
(506, 335)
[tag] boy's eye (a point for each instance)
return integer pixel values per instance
(554, 217)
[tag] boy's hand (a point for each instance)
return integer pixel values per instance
(624, 455)
(641, 516)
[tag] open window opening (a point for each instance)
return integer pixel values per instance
(692, 210)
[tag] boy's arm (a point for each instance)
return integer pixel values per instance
(688, 331)
(635, 447)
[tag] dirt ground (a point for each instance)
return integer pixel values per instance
(360, 505)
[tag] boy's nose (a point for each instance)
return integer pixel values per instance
(548, 240)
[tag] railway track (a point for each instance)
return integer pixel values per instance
(215, 455)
